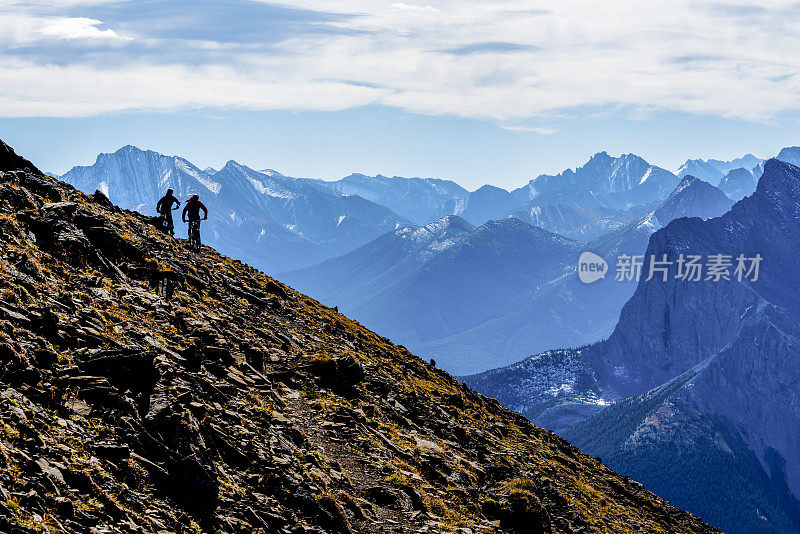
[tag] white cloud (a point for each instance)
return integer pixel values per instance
(531, 129)
(84, 90)
(414, 7)
(545, 59)
(78, 28)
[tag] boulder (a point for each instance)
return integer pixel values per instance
(194, 486)
(391, 498)
(338, 372)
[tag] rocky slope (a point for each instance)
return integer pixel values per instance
(147, 388)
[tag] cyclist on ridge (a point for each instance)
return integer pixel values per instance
(192, 211)
(164, 208)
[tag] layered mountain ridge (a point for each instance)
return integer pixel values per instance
(281, 223)
(493, 293)
(714, 170)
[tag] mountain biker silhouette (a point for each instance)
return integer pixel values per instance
(164, 208)
(192, 210)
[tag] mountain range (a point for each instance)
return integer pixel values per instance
(695, 393)
(148, 387)
(473, 297)
(714, 170)
(604, 181)
(314, 229)
(265, 218)
(281, 223)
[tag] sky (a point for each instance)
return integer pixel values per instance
(475, 91)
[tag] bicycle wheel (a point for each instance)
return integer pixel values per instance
(194, 235)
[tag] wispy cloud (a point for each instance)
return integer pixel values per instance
(507, 60)
(491, 48)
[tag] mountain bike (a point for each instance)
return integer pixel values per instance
(194, 234)
(165, 223)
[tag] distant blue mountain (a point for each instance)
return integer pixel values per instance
(419, 285)
(604, 186)
(612, 182)
(577, 222)
(740, 182)
(478, 297)
(488, 203)
(714, 170)
(420, 200)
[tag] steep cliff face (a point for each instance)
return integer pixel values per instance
(148, 388)
(667, 327)
(735, 349)
(721, 439)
